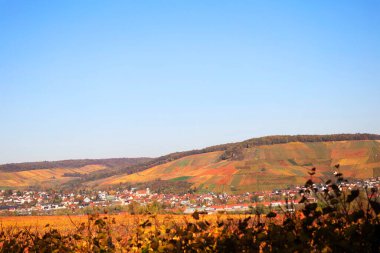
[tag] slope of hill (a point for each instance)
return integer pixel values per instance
(45, 177)
(231, 151)
(56, 173)
(264, 167)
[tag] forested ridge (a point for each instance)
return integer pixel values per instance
(234, 150)
(75, 163)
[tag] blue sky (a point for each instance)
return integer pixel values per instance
(94, 79)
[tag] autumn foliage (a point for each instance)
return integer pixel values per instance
(341, 221)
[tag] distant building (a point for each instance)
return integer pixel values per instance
(143, 193)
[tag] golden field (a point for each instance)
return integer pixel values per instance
(65, 223)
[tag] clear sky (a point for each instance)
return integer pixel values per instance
(95, 79)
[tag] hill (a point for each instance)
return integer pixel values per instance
(255, 164)
(231, 151)
(263, 167)
(53, 173)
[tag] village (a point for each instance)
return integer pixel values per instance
(16, 202)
